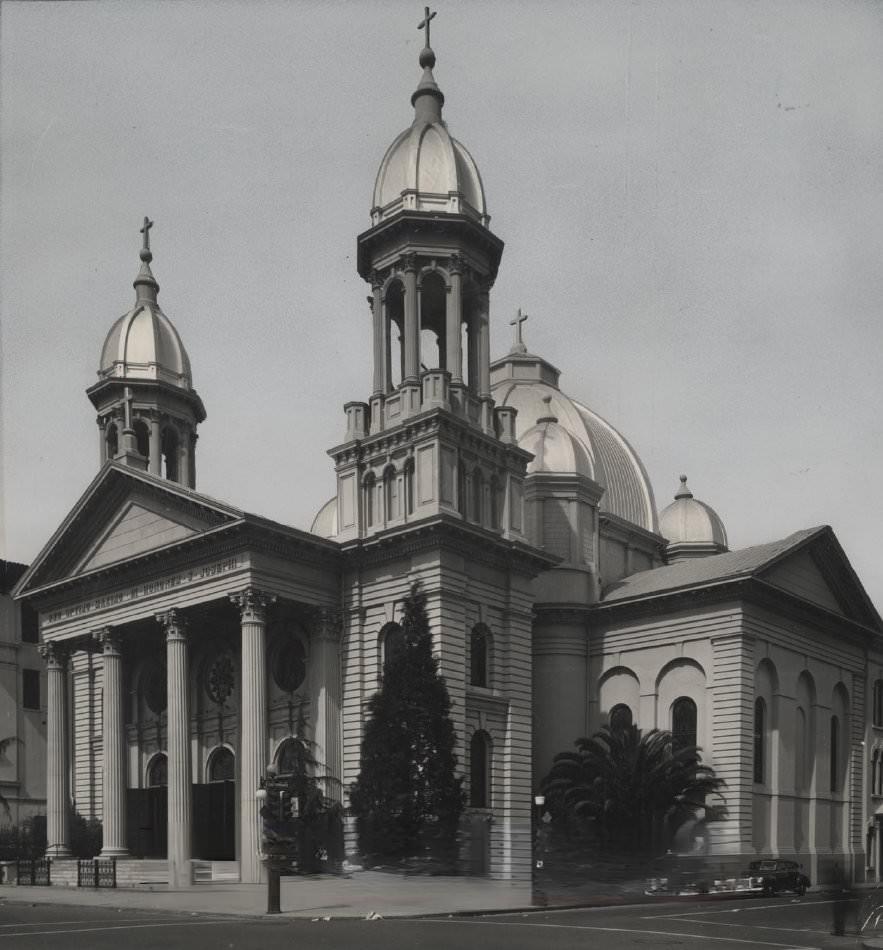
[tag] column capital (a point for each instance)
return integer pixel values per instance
(409, 262)
(326, 623)
(252, 603)
(174, 623)
(457, 264)
(376, 279)
(55, 654)
(110, 640)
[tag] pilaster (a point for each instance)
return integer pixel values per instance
(325, 636)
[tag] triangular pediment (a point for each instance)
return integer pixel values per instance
(818, 571)
(124, 514)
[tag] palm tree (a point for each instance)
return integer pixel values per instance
(634, 787)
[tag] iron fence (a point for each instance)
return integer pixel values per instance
(35, 873)
(97, 872)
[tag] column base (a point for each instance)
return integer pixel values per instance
(59, 851)
(114, 853)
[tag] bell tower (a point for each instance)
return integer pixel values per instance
(147, 407)
(429, 440)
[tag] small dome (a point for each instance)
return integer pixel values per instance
(143, 344)
(555, 449)
(325, 522)
(425, 169)
(688, 521)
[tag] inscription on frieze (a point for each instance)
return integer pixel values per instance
(147, 589)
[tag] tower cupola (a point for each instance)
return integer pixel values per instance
(148, 410)
(692, 528)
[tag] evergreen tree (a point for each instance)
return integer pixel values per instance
(407, 799)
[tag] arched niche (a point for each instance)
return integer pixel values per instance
(619, 686)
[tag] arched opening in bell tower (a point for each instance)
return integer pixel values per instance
(111, 441)
(170, 452)
(142, 437)
(433, 317)
(395, 335)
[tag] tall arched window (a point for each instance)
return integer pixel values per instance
(392, 642)
(878, 703)
(409, 487)
(142, 437)
(683, 723)
(221, 765)
(369, 488)
(478, 656)
(391, 493)
(800, 750)
(759, 739)
(620, 717)
(480, 770)
(158, 771)
(835, 753)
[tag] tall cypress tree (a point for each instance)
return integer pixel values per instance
(407, 799)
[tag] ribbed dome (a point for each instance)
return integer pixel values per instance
(555, 450)
(143, 344)
(325, 522)
(690, 521)
(425, 169)
(529, 383)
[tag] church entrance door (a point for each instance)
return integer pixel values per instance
(214, 821)
(147, 821)
(479, 845)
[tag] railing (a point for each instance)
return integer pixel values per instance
(97, 872)
(35, 873)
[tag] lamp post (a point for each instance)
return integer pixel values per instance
(269, 807)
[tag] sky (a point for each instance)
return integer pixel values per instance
(690, 193)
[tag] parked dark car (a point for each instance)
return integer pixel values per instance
(779, 876)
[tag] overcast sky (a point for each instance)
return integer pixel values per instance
(690, 194)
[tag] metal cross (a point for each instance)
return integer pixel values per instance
(517, 324)
(148, 224)
(427, 16)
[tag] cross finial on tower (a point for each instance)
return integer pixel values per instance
(518, 345)
(145, 249)
(424, 23)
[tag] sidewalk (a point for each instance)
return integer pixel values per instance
(361, 894)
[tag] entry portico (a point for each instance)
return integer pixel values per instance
(185, 627)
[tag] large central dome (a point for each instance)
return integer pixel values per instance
(425, 169)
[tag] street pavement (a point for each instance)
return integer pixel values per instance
(783, 923)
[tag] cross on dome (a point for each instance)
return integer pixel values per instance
(424, 23)
(518, 344)
(145, 249)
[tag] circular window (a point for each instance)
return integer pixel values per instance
(153, 682)
(290, 667)
(220, 678)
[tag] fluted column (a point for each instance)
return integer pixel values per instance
(412, 328)
(113, 767)
(377, 323)
(326, 689)
(56, 656)
(252, 604)
(453, 332)
(180, 788)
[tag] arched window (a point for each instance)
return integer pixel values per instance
(875, 769)
(391, 494)
(221, 765)
(169, 448)
(878, 703)
(683, 723)
(478, 656)
(409, 487)
(158, 771)
(392, 642)
(291, 757)
(496, 504)
(835, 753)
(112, 440)
(759, 739)
(394, 307)
(800, 750)
(620, 717)
(368, 487)
(142, 437)
(480, 770)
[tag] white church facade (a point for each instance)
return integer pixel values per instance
(185, 638)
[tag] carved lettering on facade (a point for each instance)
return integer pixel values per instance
(147, 589)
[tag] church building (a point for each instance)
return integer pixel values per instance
(185, 639)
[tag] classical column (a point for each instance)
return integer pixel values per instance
(184, 460)
(377, 321)
(102, 440)
(113, 768)
(326, 689)
(484, 344)
(155, 467)
(252, 604)
(180, 787)
(412, 327)
(56, 656)
(453, 315)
